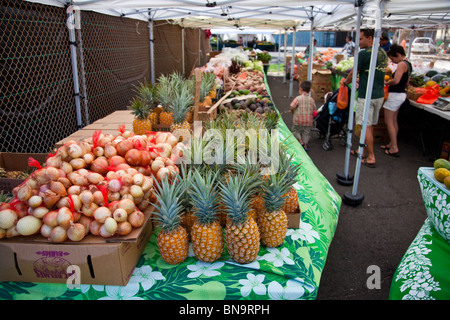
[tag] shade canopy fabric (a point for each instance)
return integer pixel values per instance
(262, 14)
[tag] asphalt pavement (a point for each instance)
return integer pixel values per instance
(377, 232)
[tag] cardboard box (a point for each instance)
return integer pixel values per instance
(11, 161)
(445, 151)
(294, 220)
(109, 261)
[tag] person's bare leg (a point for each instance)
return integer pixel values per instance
(369, 145)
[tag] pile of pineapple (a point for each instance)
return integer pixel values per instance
(238, 204)
(169, 102)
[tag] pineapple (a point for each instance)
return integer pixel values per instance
(166, 118)
(141, 111)
(272, 221)
(241, 231)
(180, 105)
(271, 120)
(172, 240)
(207, 237)
(207, 89)
(291, 203)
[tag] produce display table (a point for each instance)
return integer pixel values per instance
(291, 271)
(423, 273)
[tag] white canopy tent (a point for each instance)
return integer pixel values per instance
(263, 14)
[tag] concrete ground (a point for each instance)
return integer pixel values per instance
(378, 231)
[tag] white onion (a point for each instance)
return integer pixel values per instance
(8, 219)
(124, 228)
(64, 217)
(94, 227)
(120, 215)
(126, 179)
(28, 225)
(78, 163)
(136, 191)
(86, 197)
(76, 232)
(52, 173)
(54, 161)
(2, 233)
(104, 233)
(35, 201)
(98, 151)
(58, 234)
(136, 219)
(74, 190)
(138, 179)
(89, 210)
(12, 232)
(40, 212)
(51, 218)
(114, 185)
(95, 178)
(66, 167)
(45, 230)
(88, 158)
(101, 213)
(127, 204)
(24, 193)
(111, 175)
(74, 151)
(110, 225)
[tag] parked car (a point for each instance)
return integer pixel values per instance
(423, 45)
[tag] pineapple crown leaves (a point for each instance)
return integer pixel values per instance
(139, 109)
(185, 179)
(207, 84)
(274, 191)
(287, 165)
(147, 94)
(181, 103)
(271, 120)
(251, 172)
(168, 206)
(236, 198)
(204, 196)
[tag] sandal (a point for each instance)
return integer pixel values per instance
(384, 147)
(392, 154)
(369, 164)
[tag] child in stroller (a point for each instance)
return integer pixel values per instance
(331, 121)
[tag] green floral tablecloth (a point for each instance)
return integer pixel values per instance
(291, 271)
(424, 271)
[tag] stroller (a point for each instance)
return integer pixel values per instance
(332, 121)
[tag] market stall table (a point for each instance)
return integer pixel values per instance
(443, 118)
(291, 271)
(423, 273)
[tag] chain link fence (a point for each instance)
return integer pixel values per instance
(113, 55)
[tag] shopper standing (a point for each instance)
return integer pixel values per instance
(397, 95)
(303, 107)
(349, 47)
(376, 100)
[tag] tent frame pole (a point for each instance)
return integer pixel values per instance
(285, 51)
(354, 198)
(71, 23)
(291, 80)
(152, 48)
(344, 178)
(311, 48)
